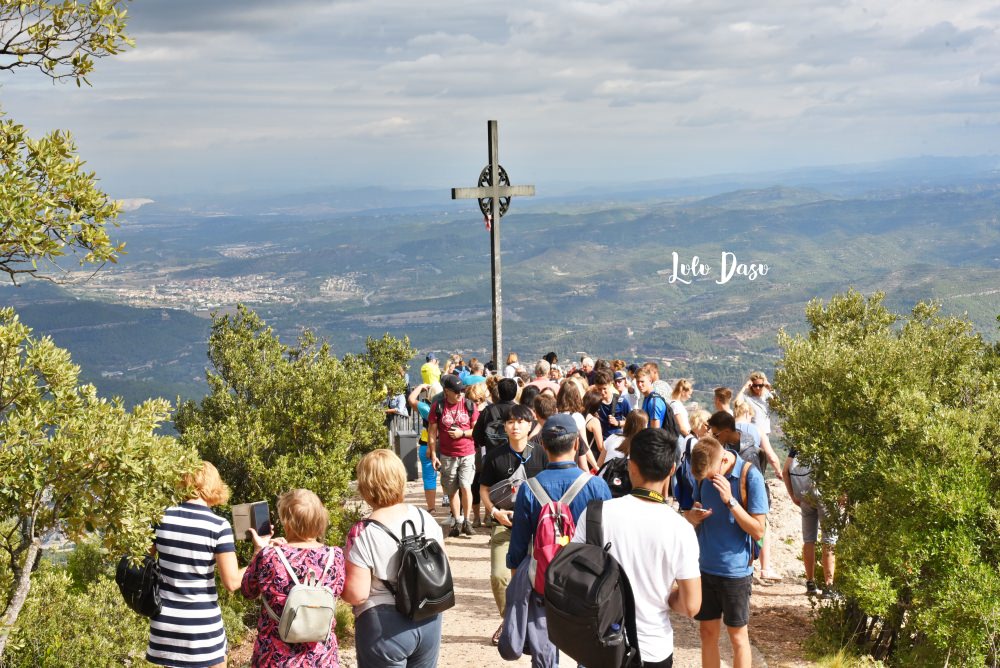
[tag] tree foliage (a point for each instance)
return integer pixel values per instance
(899, 414)
(64, 625)
(72, 462)
(49, 205)
(60, 39)
(278, 417)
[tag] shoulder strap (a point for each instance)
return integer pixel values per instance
(291, 574)
(383, 528)
(632, 656)
(329, 562)
(539, 492)
(575, 488)
(744, 473)
(288, 566)
(595, 530)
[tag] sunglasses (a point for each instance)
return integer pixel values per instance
(758, 385)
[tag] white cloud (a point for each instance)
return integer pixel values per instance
(212, 83)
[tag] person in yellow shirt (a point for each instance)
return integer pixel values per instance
(430, 372)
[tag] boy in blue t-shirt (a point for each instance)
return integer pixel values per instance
(727, 526)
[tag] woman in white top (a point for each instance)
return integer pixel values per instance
(511, 369)
(570, 401)
(682, 393)
(384, 637)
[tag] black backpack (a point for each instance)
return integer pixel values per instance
(615, 473)
(140, 585)
(669, 424)
(589, 607)
(423, 586)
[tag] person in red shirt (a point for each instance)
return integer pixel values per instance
(452, 450)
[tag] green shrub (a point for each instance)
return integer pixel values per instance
(62, 627)
(87, 563)
(898, 416)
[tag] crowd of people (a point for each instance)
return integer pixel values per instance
(682, 491)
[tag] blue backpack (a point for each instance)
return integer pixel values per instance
(684, 481)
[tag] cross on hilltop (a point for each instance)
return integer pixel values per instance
(494, 193)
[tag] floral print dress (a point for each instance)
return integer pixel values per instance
(267, 577)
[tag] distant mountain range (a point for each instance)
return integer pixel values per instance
(581, 273)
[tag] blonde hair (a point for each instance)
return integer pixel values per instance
(681, 386)
(477, 393)
(704, 452)
(742, 409)
(381, 478)
(302, 514)
(511, 358)
(699, 419)
(206, 483)
(757, 375)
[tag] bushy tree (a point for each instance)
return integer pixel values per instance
(49, 205)
(66, 626)
(72, 462)
(899, 415)
(278, 417)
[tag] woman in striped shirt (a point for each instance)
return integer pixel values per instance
(191, 541)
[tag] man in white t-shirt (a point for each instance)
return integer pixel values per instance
(662, 565)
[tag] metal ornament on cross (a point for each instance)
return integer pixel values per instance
(494, 192)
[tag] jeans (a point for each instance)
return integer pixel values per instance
(386, 639)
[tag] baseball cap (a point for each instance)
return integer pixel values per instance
(558, 425)
(431, 356)
(453, 383)
(619, 375)
(633, 367)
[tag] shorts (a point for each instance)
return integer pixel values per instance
(457, 472)
(728, 598)
(814, 517)
(427, 471)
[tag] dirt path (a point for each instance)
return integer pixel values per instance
(778, 627)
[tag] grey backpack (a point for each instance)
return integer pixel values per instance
(308, 615)
(801, 479)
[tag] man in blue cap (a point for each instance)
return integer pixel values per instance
(559, 438)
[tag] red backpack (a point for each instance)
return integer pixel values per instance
(554, 529)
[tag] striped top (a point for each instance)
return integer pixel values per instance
(188, 632)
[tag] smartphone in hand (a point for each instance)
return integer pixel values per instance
(260, 518)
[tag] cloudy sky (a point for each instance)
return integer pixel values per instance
(262, 94)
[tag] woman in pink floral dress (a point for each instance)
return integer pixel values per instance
(304, 519)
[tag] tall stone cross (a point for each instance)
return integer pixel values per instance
(494, 193)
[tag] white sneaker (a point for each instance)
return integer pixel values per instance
(450, 522)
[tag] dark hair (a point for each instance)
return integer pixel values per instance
(602, 365)
(507, 389)
(569, 400)
(528, 394)
(654, 454)
(592, 401)
(519, 412)
(603, 377)
(551, 358)
(560, 445)
(635, 421)
(545, 406)
(722, 420)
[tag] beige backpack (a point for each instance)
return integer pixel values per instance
(308, 615)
